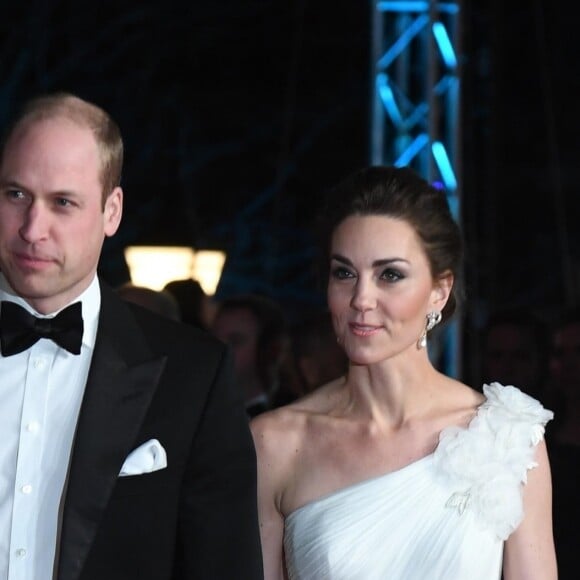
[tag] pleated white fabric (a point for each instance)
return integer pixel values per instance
(422, 522)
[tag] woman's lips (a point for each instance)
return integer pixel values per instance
(364, 329)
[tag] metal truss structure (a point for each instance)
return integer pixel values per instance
(416, 109)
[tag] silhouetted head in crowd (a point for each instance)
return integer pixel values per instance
(255, 328)
(564, 381)
(515, 349)
(155, 300)
(194, 303)
(565, 353)
(317, 355)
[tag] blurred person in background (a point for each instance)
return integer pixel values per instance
(255, 328)
(318, 356)
(564, 382)
(564, 439)
(515, 350)
(158, 301)
(195, 306)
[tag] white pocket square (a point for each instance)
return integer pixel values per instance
(146, 458)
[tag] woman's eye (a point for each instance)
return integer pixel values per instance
(392, 275)
(341, 273)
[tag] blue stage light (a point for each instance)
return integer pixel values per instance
(444, 165)
(444, 44)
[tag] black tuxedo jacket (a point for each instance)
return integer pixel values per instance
(151, 378)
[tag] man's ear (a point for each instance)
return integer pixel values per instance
(113, 211)
(442, 290)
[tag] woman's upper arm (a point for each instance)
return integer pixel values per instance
(270, 482)
(529, 552)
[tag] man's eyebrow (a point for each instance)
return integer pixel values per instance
(12, 184)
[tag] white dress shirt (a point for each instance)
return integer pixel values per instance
(41, 390)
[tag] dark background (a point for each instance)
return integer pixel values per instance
(238, 114)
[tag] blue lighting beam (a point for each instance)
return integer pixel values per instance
(444, 44)
(444, 165)
(412, 150)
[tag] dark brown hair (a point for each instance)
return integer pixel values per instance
(399, 192)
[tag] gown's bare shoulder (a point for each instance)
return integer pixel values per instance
(280, 437)
(277, 432)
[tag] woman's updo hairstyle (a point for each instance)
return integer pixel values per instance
(400, 193)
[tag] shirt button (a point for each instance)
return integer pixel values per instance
(20, 553)
(38, 363)
(32, 427)
(26, 488)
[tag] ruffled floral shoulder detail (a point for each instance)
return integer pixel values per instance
(487, 463)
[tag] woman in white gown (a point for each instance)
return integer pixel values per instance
(396, 471)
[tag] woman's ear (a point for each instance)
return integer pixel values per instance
(442, 290)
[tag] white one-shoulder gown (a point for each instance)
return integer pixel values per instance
(443, 517)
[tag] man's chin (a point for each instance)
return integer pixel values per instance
(32, 287)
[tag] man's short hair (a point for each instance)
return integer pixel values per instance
(68, 106)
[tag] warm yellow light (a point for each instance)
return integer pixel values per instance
(207, 269)
(154, 266)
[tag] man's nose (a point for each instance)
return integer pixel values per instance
(35, 224)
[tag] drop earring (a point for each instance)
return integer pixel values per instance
(433, 319)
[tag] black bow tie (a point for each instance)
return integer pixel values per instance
(19, 329)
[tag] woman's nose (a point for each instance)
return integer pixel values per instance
(364, 297)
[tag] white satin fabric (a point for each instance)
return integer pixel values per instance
(439, 518)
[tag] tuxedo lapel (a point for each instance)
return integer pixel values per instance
(123, 377)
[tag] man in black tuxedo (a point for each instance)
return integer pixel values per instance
(126, 452)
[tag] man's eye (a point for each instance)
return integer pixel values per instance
(15, 194)
(63, 202)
